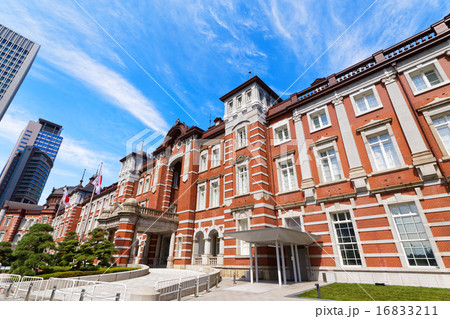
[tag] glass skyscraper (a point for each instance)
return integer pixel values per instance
(28, 167)
(17, 54)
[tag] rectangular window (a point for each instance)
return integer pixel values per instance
(248, 95)
(287, 175)
(2, 234)
(346, 239)
(281, 134)
(241, 137)
(442, 126)
(366, 101)
(214, 194)
(329, 165)
(215, 156)
(293, 222)
(203, 161)
(230, 107)
(7, 221)
(412, 235)
(425, 79)
(383, 151)
(244, 247)
(201, 197)
(242, 181)
(319, 119)
(239, 102)
(147, 184)
(139, 190)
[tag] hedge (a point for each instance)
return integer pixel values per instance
(79, 273)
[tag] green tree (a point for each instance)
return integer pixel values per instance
(96, 248)
(6, 257)
(67, 249)
(31, 252)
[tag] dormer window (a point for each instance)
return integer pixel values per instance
(239, 102)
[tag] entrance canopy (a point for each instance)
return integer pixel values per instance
(278, 237)
(270, 236)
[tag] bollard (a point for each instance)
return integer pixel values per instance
(53, 293)
(179, 291)
(234, 278)
(29, 291)
(8, 290)
(318, 291)
(118, 296)
(82, 294)
(196, 288)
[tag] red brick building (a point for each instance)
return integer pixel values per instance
(360, 159)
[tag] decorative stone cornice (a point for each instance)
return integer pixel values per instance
(374, 123)
(389, 79)
(337, 100)
(296, 115)
(323, 140)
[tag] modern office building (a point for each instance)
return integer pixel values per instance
(24, 176)
(17, 54)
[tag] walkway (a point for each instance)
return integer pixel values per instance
(156, 274)
(262, 291)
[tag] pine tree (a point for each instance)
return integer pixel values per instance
(97, 247)
(31, 251)
(67, 249)
(6, 257)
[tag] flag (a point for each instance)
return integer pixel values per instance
(98, 181)
(66, 198)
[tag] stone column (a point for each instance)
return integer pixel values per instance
(305, 165)
(171, 250)
(221, 251)
(207, 251)
(422, 158)
(157, 251)
(357, 173)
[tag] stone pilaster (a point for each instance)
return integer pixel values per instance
(422, 157)
(357, 174)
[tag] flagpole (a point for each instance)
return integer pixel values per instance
(90, 204)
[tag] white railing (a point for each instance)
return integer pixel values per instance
(61, 289)
(212, 261)
(178, 288)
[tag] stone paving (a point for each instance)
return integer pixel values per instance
(261, 291)
(156, 274)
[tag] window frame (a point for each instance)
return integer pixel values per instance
(238, 184)
(201, 205)
(201, 168)
(312, 113)
(240, 244)
(421, 69)
(211, 201)
(363, 92)
(238, 140)
(338, 243)
(320, 146)
(430, 114)
(278, 126)
(412, 214)
(213, 161)
(278, 162)
(378, 130)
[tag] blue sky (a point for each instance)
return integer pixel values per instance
(108, 69)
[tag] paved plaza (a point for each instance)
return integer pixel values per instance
(242, 290)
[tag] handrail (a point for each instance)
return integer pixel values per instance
(157, 213)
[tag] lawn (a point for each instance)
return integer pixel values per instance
(350, 292)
